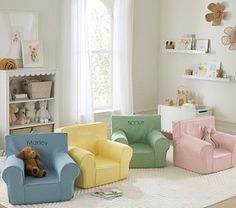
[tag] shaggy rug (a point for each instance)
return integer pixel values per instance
(169, 187)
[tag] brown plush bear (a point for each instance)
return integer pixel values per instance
(12, 114)
(33, 165)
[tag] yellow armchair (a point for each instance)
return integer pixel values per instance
(101, 161)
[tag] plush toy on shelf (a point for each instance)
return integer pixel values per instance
(42, 114)
(31, 158)
(182, 97)
(12, 114)
(30, 112)
(21, 117)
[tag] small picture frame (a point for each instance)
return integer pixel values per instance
(32, 52)
(184, 43)
(202, 45)
(212, 68)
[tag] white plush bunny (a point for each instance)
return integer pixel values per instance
(42, 114)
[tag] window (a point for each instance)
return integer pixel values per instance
(100, 43)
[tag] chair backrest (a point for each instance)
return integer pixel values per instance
(192, 126)
(46, 143)
(136, 127)
(85, 135)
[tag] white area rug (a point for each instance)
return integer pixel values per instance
(168, 187)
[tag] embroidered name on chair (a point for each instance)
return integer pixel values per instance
(136, 123)
(37, 142)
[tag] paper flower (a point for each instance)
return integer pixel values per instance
(217, 13)
(230, 39)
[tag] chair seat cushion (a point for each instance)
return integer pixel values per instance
(107, 170)
(143, 156)
(50, 178)
(46, 189)
(221, 159)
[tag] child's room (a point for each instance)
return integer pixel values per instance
(117, 103)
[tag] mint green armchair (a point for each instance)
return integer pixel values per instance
(142, 134)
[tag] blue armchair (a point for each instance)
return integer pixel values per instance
(57, 185)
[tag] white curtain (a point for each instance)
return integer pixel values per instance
(122, 56)
(76, 82)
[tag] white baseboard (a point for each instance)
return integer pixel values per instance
(225, 126)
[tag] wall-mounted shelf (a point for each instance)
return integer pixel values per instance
(185, 51)
(208, 78)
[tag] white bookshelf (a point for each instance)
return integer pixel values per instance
(208, 78)
(185, 51)
(18, 75)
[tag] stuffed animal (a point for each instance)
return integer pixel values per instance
(33, 165)
(12, 114)
(21, 117)
(30, 112)
(42, 114)
(207, 136)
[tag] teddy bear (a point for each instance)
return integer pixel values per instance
(42, 114)
(31, 158)
(30, 112)
(21, 117)
(207, 136)
(12, 114)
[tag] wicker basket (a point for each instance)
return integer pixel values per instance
(37, 88)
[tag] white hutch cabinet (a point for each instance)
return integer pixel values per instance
(176, 113)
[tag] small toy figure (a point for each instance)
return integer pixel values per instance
(42, 114)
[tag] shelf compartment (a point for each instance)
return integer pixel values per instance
(30, 125)
(185, 51)
(208, 78)
(31, 100)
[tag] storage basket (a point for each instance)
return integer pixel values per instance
(37, 88)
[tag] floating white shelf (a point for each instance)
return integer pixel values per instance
(30, 100)
(30, 125)
(208, 78)
(185, 51)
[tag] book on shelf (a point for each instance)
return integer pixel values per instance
(107, 193)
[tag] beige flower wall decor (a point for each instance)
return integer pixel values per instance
(217, 13)
(230, 37)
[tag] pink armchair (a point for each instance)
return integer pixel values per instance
(192, 153)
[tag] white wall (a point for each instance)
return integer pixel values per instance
(146, 54)
(48, 24)
(188, 17)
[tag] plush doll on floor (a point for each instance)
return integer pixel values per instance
(208, 136)
(33, 165)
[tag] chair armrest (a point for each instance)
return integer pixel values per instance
(65, 166)
(14, 171)
(226, 141)
(160, 145)
(156, 138)
(194, 146)
(87, 164)
(114, 150)
(81, 156)
(119, 136)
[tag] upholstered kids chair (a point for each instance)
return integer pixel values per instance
(142, 134)
(57, 185)
(192, 153)
(101, 161)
